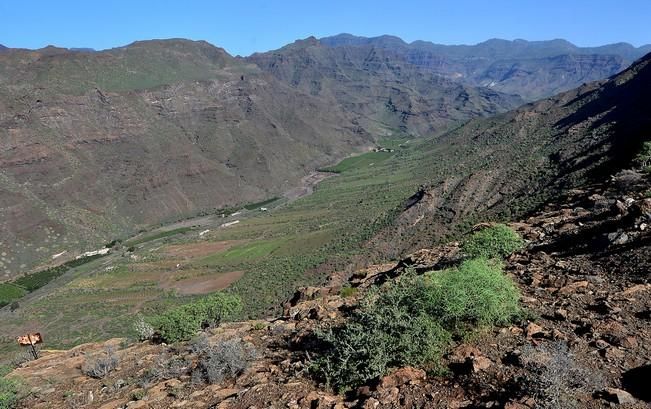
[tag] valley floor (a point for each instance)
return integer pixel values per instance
(584, 278)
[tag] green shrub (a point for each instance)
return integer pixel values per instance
(392, 328)
(222, 360)
(412, 321)
(183, 322)
(493, 242)
(643, 158)
(8, 393)
(477, 293)
(347, 292)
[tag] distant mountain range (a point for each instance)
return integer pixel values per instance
(508, 164)
(531, 69)
(381, 88)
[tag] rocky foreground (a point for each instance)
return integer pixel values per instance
(584, 279)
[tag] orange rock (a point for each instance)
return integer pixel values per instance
(402, 376)
(573, 288)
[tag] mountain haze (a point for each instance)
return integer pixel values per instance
(380, 86)
(531, 69)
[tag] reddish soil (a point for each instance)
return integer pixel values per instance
(204, 284)
(200, 249)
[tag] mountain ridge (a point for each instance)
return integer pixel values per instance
(531, 69)
(561, 45)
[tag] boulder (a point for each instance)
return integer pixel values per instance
(401, 377)
(618, 396)
(535, 331)
(575, 287)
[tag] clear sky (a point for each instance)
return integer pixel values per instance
(243, 27)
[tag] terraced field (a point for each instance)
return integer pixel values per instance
(263, 258)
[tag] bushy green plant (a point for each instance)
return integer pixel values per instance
(492, 242)
(643, 158)
(8, 393)
(183, 322)
(392, 328)
(477, 293)
(412, 322)
(347, 292)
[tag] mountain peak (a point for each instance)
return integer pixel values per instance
(345, 39)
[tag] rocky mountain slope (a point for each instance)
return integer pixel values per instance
(508, 164)
(531, 69)
(584, 278)
(380, 86)
(95, 145)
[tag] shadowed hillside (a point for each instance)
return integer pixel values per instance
(531, 69)
(507, 165)
(380, 86)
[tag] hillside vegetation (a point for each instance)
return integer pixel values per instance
(425, 192)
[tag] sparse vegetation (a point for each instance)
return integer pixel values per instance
(348, 291)
(412, 321)
(8, 392)
(100, 366)
(225, 359)
(182, 323)
(143, 329)
(10, 292)
(492, 242)
(257, 205)
(160, 235)
(166, 366)
(643, 158)
(360, 161)
(555, 379)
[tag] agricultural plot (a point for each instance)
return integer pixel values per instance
(360, 161)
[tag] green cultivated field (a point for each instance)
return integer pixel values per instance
(359, 162)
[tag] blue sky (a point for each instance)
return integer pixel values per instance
(243, 27)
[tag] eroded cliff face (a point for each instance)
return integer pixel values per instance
(83, 161)
(530, 69)
(381, 86)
